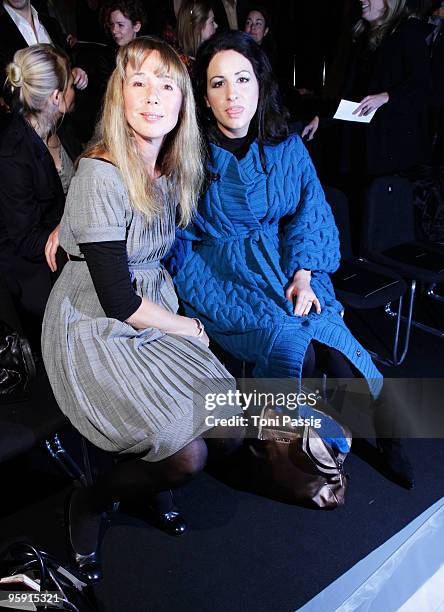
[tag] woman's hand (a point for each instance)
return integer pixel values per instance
(310, 129)
(204, 338)
(71, 40)
(301, 293)
(190, 327)
(80, 78)
(52, 244)
(371, 103)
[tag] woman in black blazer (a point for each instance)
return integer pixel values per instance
(36, 165)
(390, 72)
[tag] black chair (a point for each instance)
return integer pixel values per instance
(32, 417)
(362, 285)
(389, 238)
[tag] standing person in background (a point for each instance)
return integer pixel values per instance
(230, 14)
(389, 72)
(36, 167)
(195, 24)
(21, 26)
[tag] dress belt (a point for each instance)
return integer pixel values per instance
(146, 265)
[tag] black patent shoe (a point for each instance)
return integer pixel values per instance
(85, 527)
(395, 461)
(165, 515)
(88, 567)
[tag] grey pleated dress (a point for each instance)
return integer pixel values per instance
(128, 391)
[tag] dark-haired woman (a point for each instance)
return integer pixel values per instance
(258, 26)
(255, 264)
(123, 20)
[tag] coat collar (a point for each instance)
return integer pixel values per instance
(248, 167)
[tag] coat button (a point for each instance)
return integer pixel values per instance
(306, 323)
(358, 352)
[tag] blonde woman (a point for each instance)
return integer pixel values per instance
(195, 24)
(36, 165)
(128, 371)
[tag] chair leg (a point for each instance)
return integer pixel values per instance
(64, 460)
(396, 359)
(427, 328)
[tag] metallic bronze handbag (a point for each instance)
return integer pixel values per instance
(301, 467)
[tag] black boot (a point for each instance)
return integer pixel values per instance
(85, 524)
(389, 428)
(165, 515)
(395, 461)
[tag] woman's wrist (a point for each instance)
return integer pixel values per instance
(302, 274)
(190, 327)
(200, 327)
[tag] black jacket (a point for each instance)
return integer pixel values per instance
(31, 205)
(398, 135)
(220, 14)
(11, 39)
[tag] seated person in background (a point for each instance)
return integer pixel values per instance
(127, 370)
(123, 20)
(36, 166)
(258, 26)
(254, 266)
(195, 24)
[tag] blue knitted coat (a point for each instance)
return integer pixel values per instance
(253, 231)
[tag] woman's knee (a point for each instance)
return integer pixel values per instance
(188, 462)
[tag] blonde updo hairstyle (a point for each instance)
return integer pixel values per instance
(32, 76)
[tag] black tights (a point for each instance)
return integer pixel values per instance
(134, 477)
(388, 410)
(327, 360)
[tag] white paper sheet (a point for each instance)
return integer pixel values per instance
(345, 112)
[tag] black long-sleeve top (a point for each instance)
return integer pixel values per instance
(108, 266)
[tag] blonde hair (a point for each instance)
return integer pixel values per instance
(32, 76)
(180, 157)
(190, 22)
(394, 12)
